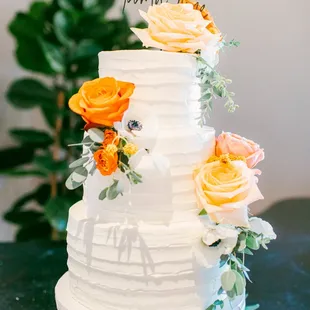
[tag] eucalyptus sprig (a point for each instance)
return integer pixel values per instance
(213, 85)
(233, 280)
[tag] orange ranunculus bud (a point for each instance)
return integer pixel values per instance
(110, 136)
(106, 162)
(102, 101)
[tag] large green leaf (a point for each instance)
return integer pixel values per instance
(15, 156)
(37, 10)
(47, 164)
(85, 69)
(99, 5)
(30, 56)
(37, 230)
(63, 24)
(71, 5)
(37, 138)
(57, 210)
(24, 217)
(24, 26)
(43, 193)
(28, 92)
(54, 56)
(86, 49)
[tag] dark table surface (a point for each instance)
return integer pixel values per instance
(29, 271)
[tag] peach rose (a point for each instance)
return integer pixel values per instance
(102, 101)
(106, 161)
(176, 28)
(229, 143)
(225, 189)
(205, 14)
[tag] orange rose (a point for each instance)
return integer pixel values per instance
(102, 101)
(110, 137)
(106, 162)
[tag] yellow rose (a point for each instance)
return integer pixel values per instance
(225, 189)
(176, 28)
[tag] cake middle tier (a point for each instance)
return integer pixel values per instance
(166, 88)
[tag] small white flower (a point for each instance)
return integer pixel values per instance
(262, 227)
(146, 131)
(220, 238)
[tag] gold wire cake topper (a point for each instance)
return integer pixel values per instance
(152, 2)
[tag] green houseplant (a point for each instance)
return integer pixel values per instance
(58, 39)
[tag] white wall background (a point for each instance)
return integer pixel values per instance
(270, 71)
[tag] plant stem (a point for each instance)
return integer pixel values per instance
(56, 150)
(56, 146)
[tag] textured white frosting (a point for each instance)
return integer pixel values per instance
(144, 250)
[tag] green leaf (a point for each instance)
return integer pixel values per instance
(219, 303)
(43, 193)
(56, 212)
(228, 280)
(248, 251)
(28, 92)
(30, 232)
(36, 138)
(113, 192)
(252, 243)
(37, 10)
(25, 27)
(79, 162)
(71, 5)
(66, 4)
(15, 156)
(203, 212)
(23, 218)
(71, 184)
(105, 4)
(54, 56)
(30, 56)
(23, 173)
(79, 175)
(46, 163)
(224, 260)
(231, 294)
(212, 307)
(103, 194)
(252, 307)
(239, 283)
(93, 168)
(88, 4)
(63, 24)
(86, 49)
(96, 135)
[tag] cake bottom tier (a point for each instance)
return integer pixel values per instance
(66, 301)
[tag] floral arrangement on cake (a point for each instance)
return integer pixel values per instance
(113, 143)
(226, 184)
(188, 27)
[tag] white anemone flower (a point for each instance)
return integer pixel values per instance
(220, 238)
(262, 227)
(140, 126)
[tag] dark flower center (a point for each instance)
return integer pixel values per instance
(215, 244)
(135, 125)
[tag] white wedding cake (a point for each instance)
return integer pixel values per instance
(136, 241)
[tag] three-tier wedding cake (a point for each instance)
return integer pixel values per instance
(163, 223)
